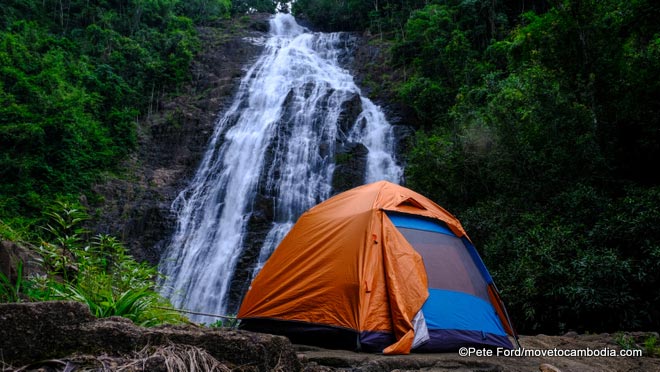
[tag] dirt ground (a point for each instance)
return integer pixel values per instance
(316, 359)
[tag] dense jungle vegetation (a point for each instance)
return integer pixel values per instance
(536, 124)
(76, 77)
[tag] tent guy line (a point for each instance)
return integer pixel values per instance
(196, 312)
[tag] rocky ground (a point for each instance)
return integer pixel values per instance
(315, 359)
(64, 336)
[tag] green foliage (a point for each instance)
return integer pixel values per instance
(630, 225)
(251, 6)
(564, 264)
(65, 226)
(226, 322)
(205, 11)
(74, 80)
(542, 146)
(430, 161)
(651, 347)
(333, 15)
(380, 16)
(626, 342)
(11, 292)
(607, 52)
(47, 131)
(16, 231)
(441, 45)
(97, 272)
(427, 97)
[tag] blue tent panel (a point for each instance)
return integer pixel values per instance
(460, 311)
(418, 223)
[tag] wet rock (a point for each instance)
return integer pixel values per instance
(404, 136)
(350, 166)
(260, 24)
(350, 110)
(378, 77)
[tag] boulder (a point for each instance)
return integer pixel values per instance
(38, 331)
(11, 254)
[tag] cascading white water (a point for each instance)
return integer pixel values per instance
(286, 110)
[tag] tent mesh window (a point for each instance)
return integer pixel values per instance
(448, 262)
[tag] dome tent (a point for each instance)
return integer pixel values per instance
(378, 268)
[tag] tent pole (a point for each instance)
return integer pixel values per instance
(506, 315)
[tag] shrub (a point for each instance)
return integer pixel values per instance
(97, 271)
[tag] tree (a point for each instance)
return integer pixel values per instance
(251, 6)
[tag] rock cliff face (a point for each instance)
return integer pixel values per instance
(374, 73)
(173, 138)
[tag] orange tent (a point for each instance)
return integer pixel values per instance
(346, 276)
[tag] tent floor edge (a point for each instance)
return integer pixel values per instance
(298, 332)
(451, 340)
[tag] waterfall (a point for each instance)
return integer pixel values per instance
(290, 118)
